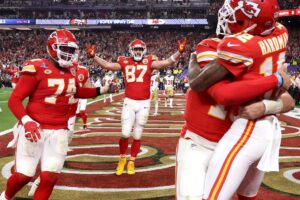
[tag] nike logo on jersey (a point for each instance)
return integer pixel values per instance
(232, 45)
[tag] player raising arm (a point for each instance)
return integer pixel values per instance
(137, 70)
(51, 88)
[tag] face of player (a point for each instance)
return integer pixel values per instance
(67, 52)
(138, 52)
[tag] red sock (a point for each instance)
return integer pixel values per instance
(15, 183)
(45, 188)
(240, 197)
(78, 115)
(135, 148)
(123, 145)
(83, 116)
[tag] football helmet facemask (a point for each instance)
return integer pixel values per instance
(137, 49)
(62, 47)
(257, 17)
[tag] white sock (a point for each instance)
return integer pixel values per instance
(110, 96)
(171, 102)
(156, 107)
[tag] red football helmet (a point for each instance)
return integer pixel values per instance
(257, 17)
(137, 49)
(62, 47)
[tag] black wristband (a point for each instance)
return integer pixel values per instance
(98, 90)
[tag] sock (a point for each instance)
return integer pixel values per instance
(83, 117)
(156, 107)
(110, 96)
(135, 148)
(78, 115)
(15, 183)
(45, 188)
(132, 159)
(240, 197)
(171, 102)
(123, 145)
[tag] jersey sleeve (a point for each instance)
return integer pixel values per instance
(120, 60)
(235, 55)
(26, 86)
(206, 51)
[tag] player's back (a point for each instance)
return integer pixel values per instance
(202, 114)
(137, 76)
(249, 56)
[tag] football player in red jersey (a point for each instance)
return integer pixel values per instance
(225, 182)
(51, 88)
(137, 70)
(15, 73)
(82, 77)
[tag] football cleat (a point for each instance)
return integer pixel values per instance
(130, 168)
(84, 127)
(121, 166)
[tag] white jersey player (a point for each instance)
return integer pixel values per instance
(154, 90)
(107, 80)
(169, 89)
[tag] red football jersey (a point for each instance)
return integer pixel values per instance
(202, 114)
(137, 76)
(250, 57)
(51, 100)
(14, 71)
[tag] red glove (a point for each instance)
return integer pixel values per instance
(90, 49)
(32, 132)
(181, 45)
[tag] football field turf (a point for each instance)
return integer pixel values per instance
(90, 165)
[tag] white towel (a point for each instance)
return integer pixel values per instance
(270, 159)
(16, 130)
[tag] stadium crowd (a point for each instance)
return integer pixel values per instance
(17, 46)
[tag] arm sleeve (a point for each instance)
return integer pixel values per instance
(234, 93)
(24, 88)
(85, 93)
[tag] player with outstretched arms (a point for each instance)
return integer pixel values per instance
(51, 88)
(137, 71)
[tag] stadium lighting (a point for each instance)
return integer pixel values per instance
(5, 28)
(51, 28)
(23, 28)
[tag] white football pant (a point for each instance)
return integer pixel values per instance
(134, 114)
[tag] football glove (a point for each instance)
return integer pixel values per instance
(181, 45)
(90, 49)
(32, 132)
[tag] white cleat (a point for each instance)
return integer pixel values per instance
(155, 114)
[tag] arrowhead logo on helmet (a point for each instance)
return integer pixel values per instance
(250, 9)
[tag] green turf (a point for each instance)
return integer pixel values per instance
(7, 119)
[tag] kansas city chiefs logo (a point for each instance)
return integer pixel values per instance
(250, 9)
